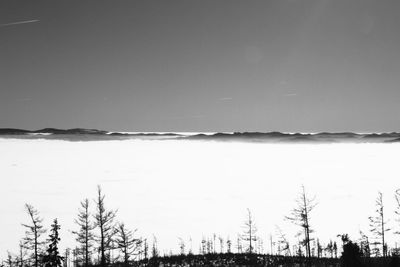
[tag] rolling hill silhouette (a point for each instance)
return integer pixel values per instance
(81, 134)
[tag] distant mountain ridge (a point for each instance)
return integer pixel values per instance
(5, 131)
(302, 137)
(94, 134)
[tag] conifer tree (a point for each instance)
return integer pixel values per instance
(10, 261)
(34, 231)
(283, 242)
(84, 236)
(378, 224)
(364, 245)
(145, 248)
(104, 220)
(249, 234)
(228, 245)
(154, 249)
(182, 246)
(22, 253)
(329, 248)
(203, 246)
(239, 244)
(301, 217)
(53, 257)
(397, 211)
(221, 244)
(127, 243)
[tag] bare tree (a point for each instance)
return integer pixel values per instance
(33, 233)
(228, 245)
(214, 243)
(397, 211)
(126, 242)
(22, 254)
(221, 244)
(239, 246)
(364, 245)
(283, 242)
(104, 220)
(378, 224)
(74, 257)
(182, 246)
(191, 246)
(249, 234)
(210, 246)
(396, 250)
(154, 249)
(203, 246)
(145, 248)
(10, 261)
(319, 249)
(272, 244)
(84, 236)
(301, 216)
(329, 248)
(260, 246)
(67, 257)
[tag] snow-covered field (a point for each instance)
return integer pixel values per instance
(191, 189)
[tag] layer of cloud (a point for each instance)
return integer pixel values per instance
(19, 22)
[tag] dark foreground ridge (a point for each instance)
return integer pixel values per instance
(238, 259)
(81, 134)
(246, 259)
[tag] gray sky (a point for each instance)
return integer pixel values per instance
(227, 65)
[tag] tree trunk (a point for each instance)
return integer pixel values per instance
(36, 248)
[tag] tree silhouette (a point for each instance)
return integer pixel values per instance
(397, 211)
(283, 242)
(84, 236)
(209, 246)
(260, 246)
(364, 245)
(53, 257)
(9, 259)
(228, 245)
(182, 246)
(377, 224)
(221, 244)
(33, 233)
(239, 244)
(329, 248)
(104, 220)
(22, 254)
(145, 248)
(126, 243)
(154, 249)
(67, 256)
(301, 216)
(214, 243)
(190, 246)
(203, 246)
(351, 255)
(249, 234)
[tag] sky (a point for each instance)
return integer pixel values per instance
(227, 65)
